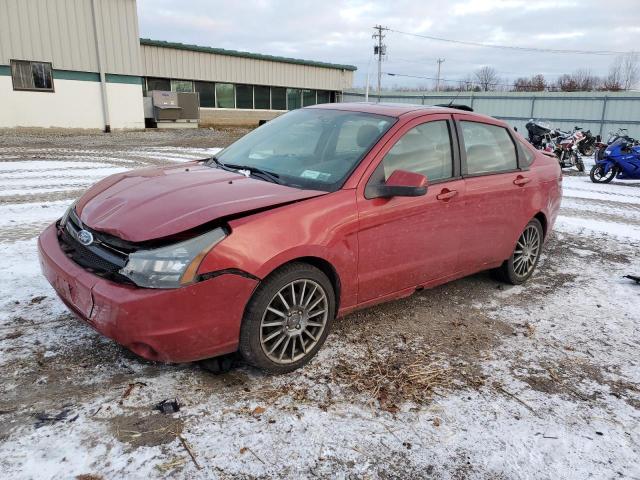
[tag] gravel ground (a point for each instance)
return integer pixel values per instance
(473, 379)
(15, 140)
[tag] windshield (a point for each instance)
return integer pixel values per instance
(308, 148)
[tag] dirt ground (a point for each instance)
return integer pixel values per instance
(473, 379)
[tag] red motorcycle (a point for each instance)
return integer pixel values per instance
(567, 150)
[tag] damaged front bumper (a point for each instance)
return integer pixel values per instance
(185, 324)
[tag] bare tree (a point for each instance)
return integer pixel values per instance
(613, 81)
(487, 78)
(536, 83)
(586, 80)
(578, 81)
(629, 70)
(567, 83)
(468, 84)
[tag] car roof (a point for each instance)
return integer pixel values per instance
(396, 109)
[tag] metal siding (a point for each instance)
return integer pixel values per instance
(622, 109)
(560, 109)
(118, 25)
(62, 32)
(174, 63)
(553, 108)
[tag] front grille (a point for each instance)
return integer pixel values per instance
(100, 257)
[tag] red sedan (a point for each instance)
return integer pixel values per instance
(315, 214)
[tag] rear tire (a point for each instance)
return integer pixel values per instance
(596, 175)
(287, 319)
(525, 256)
(579, 164)
(588, 151)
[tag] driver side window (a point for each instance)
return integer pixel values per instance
(425, 149)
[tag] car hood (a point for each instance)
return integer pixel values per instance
(153, 203)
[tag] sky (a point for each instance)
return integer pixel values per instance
(340, 32)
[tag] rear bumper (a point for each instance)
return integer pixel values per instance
(177, 325)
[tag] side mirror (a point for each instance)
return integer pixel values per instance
(399, 184)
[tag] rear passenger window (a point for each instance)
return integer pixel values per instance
(425, 149)
(489, 148)
(528, 154)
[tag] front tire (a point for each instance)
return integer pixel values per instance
(579, 164)
(526, 254)
(287, 319)
(597, 174)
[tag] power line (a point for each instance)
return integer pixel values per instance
(511, 47)
(446, 80)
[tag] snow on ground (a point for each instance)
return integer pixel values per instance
(473, 379)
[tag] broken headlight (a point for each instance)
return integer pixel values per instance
(65, 217)
(172, 266)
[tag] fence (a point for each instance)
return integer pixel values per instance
(600, 112)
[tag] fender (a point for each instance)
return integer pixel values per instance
(260, 243)
(607, 165)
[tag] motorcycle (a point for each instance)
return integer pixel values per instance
(621, 160)
(567, 151)
(538, 133)
(600, 146)
(567, 146)
(586, 146)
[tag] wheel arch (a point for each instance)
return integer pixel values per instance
(321, 264)
(542, 218)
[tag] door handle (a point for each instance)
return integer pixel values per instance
(445, 195)
(521, 181)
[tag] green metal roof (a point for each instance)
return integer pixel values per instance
(236, 53)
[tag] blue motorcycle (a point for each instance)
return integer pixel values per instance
(619, 160)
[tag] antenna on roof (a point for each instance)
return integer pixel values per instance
(452, 105)
(457, 95)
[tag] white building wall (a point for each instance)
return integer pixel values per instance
(74, 104)
(126, 109)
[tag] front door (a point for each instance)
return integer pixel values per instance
(409, 241)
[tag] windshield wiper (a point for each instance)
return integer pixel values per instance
(214, 160)
(264, 174)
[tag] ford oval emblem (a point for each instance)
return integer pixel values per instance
(85, 238)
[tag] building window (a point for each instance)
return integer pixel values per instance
(244, 96)
(261, 97)
(308, 97)
(207, 94)
(225, 95)
(31, 75)
(323, 96)
(278, 98)
(294, 98)
(182, 86)
(162, 84)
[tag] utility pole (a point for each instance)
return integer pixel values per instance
(440, 61)
(380, 49)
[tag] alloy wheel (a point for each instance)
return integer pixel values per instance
(527, 251)
(293, 322)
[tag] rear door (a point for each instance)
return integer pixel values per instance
(496, 189)
(408, 241)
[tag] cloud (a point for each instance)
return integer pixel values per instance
(340, 31)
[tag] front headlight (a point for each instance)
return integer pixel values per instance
(65, 217)
(173, 266)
